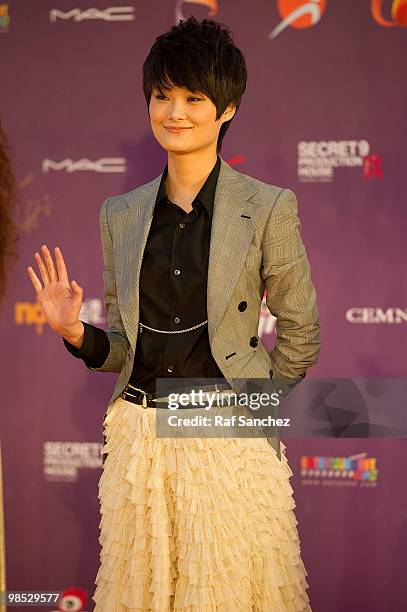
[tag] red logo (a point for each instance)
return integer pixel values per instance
(298, 14)
(372, 167)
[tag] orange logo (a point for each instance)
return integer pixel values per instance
(398, 13)
(27, 313)
(298, 14)
(211, 4)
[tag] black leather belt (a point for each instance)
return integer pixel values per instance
(150, 400)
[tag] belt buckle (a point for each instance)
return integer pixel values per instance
(144, 399)
(144, 394)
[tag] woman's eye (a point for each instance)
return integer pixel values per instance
(190, 99)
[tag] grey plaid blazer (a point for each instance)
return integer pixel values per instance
(255, 244)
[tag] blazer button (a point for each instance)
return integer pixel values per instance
(242, 306)
(254, 341)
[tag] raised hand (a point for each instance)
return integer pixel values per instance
(60, 300)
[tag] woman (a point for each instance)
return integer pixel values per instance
(192, 523)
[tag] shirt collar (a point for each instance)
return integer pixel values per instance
(206, 194)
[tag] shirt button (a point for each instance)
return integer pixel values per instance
(177, 272)
(177, 319)
(181, 225)
(170, 368)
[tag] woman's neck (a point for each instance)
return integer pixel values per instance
(186, 175)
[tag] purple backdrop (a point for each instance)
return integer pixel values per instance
(324, 114)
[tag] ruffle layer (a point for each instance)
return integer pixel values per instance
(195, 524)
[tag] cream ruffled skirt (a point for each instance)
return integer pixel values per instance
(194, 524)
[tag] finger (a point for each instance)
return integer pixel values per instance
(49, 263)
(43, 269)
(61, 267)
(34, 279)
(76, 288)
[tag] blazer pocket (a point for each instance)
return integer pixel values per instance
(235, 357)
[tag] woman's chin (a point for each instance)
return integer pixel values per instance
(178, 148)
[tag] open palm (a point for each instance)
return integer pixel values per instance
(59, 299)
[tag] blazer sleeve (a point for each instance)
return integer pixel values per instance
(290, 293)
(118, 342)
(95, 346)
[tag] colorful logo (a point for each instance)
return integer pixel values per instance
(358, 468)
(398, 13)
(298, 14)
(4, 18)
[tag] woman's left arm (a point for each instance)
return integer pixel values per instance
(291, 295)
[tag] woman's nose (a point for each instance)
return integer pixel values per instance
(177, 111)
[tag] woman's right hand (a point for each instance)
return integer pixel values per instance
(59, 299)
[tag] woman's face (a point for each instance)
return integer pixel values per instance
(184, 122)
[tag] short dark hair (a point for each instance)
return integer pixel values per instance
(202, 57)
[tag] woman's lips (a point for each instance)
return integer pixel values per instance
(176, 129)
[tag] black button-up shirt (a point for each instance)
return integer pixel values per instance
(172, 293)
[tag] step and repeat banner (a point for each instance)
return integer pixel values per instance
(324, 114)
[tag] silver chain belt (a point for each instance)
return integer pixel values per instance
(171, 331)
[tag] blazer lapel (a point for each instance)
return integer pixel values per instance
(233, 226)
(131, 227)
